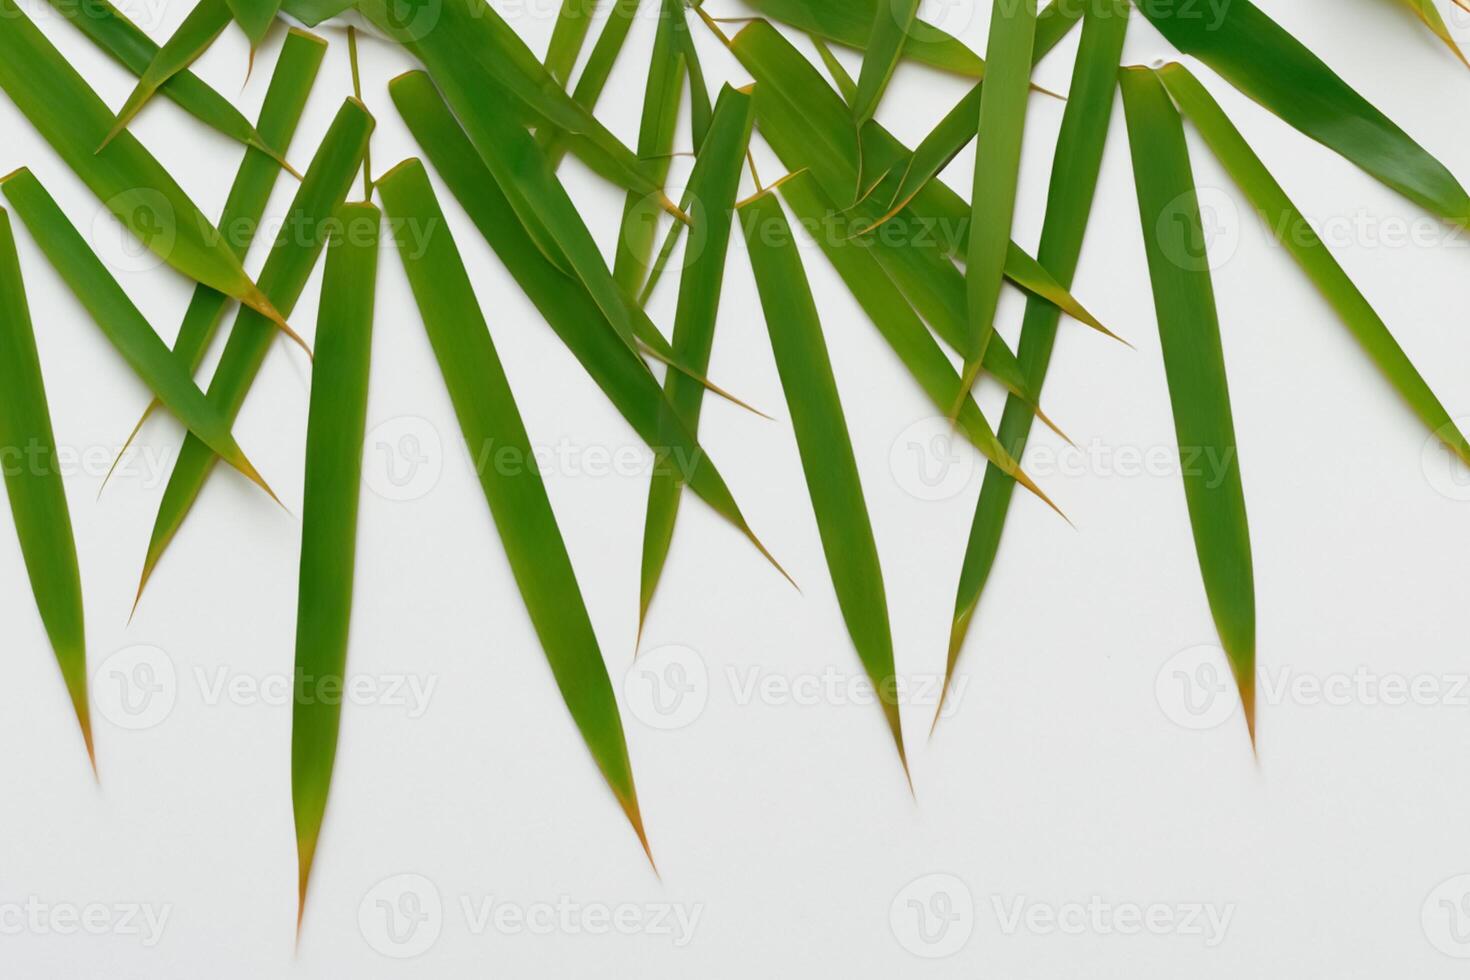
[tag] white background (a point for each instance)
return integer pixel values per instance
(1070, 773)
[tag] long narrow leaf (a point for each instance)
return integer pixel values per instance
(1189, 333)
(285, 100)
(1075, 167)
(119, 320)
(289, 265)
(573, 22)
(656, 133)
(825, 447)
(111, 31)
(33, 483)
(997, 170)
(850, 22)
(892, 20)
(205, 22)
(1426, 11)
(1254, 54)
(255, 17)
(594, 75)
(124, 175)
(488, 417)
(565, 305)
(335, 429)
(711, 201)
(1296, 235)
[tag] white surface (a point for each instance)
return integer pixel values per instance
(1061, 787)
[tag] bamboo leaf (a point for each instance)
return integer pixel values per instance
(111, 31)
(1296, 235)
(892, 20)
(478, 60)
(285, 100)
(825, 447)
(1426, 11)
(33, 483)
(564, 303)
(997, 171)
(1254, 54)
(488, 417)
(701, 112)
(656, 133)
(204, 23)
(1075, 167)
(335, 429)
(255, 18)
(119, 319)
(713, 187)
(573, 22)
(124, 175)
(850, 22)
(594, 74)
(1189, 333)
(955, 131)
(896, 320)
(313, 12)
(302, 238)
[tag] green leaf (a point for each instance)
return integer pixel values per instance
(701, 112)
(594, 74)
(119, 320)
(255, 18)
(713, 187)
(656, 134)
(289, 265)
(285, 100)
(335, 429)
(824, 445)
(112, 32)
(1074, 176)
(33, 483)
(490, 77)
(124, 175)
(1426, 11)
(564, 303)
(1260, 59)
(895, 319)
(1297, 236)
(958, 128)
(850, 22)
(313, 12)
(892, 20)
(997, 171)
(1189, 333)
(205, 22)
(573, 22)
(488, 417)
